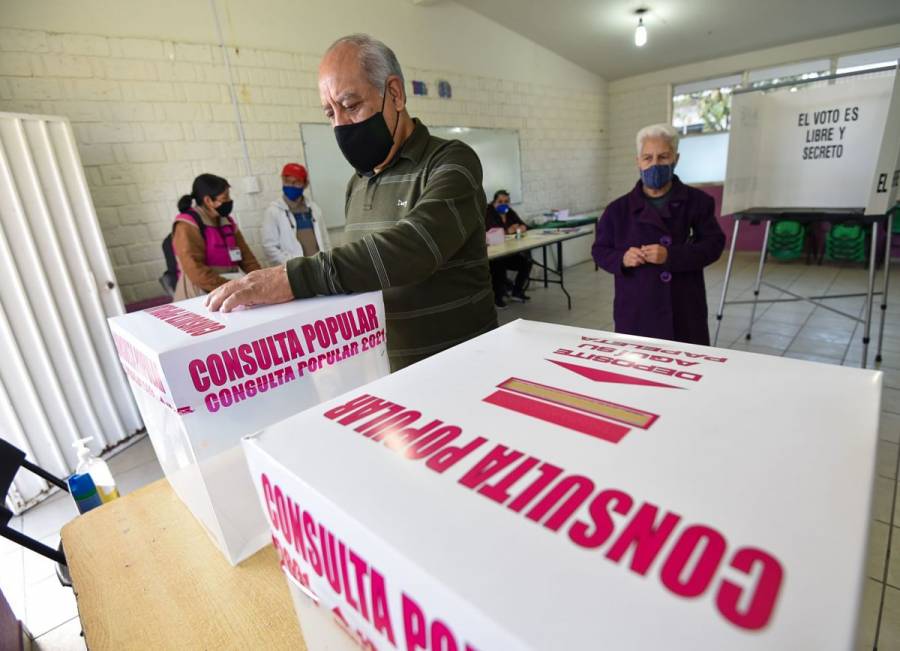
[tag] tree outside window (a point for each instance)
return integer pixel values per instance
(697, 109)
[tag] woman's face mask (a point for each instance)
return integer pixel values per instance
(656, 162)
(221, 205)
(225, 208)
(657, 176)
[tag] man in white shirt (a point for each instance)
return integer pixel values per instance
(293, 224)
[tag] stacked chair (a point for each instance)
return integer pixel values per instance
(786, 240)
(846, 243)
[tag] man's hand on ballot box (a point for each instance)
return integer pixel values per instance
(262, 287)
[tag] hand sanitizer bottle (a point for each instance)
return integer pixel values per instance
(83, 491)
(97, 469)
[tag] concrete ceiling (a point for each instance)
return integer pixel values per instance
(599, 34)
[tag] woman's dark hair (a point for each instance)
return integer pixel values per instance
(498, 193)
(205, 185)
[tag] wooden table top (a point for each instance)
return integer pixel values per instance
(147, 576)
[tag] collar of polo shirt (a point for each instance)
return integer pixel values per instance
(415, 145)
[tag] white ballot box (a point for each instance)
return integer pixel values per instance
(203, 380)
(555, 488)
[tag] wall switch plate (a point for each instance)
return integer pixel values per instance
(251, 185)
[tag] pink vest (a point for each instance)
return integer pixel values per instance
(219, 239)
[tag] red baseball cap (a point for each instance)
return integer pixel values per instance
(296, 170)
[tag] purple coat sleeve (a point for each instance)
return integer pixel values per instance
(706, 245)
(604, 250)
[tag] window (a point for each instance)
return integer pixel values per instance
(703, 159)
(785, 74)
(704, 106)
(868, 60)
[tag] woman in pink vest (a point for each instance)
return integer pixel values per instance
(206, 240)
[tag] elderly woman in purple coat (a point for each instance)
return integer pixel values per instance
(656, 240)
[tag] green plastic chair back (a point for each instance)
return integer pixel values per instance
(786, 240)
(846, 243)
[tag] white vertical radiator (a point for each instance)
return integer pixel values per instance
(60, 377)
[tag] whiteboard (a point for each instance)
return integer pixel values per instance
(329, 172)
(501, 159)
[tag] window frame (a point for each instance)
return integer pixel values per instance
(731, 82)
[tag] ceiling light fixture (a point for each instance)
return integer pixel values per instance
(640, 32)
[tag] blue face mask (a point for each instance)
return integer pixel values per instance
(292, 193)
(657, 176)
(503, 208)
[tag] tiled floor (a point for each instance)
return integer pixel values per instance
(790, 329)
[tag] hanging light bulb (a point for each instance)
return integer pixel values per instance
(640, 34)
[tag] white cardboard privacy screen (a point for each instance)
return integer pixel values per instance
(823, 146)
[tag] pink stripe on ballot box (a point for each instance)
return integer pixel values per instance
(549, 413)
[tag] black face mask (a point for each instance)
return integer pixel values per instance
(225, 209)
(367, 143)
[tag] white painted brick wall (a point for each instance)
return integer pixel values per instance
(629, 111)
(82, 44)
(149, 115)
(20, 40)
(136, 48)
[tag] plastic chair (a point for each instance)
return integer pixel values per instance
(846, 242)
(786, 240)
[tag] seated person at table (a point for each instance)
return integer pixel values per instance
(656, 240)
(501, 215)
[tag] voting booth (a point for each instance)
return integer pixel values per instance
(823, 145)
(821, 151)
(550, 487)
(203, 379)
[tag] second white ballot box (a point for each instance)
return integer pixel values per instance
(551, 487)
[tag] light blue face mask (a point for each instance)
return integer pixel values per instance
(291, 192)
(503, 208)
(657, 176)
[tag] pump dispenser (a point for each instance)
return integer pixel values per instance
(97, 469)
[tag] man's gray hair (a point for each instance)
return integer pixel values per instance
(665, 131)
(378, 61)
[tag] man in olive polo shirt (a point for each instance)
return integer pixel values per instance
(415, 216)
